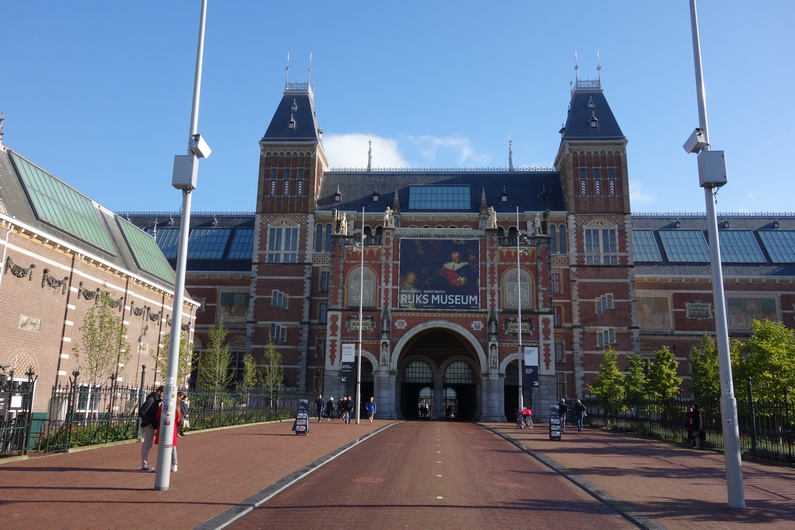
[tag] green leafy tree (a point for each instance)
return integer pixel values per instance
(214, 373)
(768, 357)
(103, 347)
(662, 382)
(705, 370)
(251, 376)
(635, 378)
(184, 363)
(272, 371)
(609, 382)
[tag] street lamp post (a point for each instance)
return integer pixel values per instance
(712, 175)
(186, 168)
(519, 312)
(361, 317)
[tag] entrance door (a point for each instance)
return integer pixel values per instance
(459, 378)
(417, 375)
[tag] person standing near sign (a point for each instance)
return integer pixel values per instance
(319, 404)
(370, 406)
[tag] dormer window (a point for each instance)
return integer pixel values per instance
(338, 195)
(291, 123)
(726, 224)
(504, 195)
(593, 123)
(375, 197)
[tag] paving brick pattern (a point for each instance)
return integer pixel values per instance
(659, 484)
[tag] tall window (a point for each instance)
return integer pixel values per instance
(283, 244)
(562, 237)
(559, 351)
(556, 282)
(605, 337)
(604, 303)
(325, 280)
(558, 316)
(601, 244)
(560, 383)
(322, 312)
(278, 333)
(553, 239)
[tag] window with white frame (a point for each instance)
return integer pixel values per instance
(279, 299)
(556, 282)
(283, 244)
(278, 333)
(605, 337)
(88, 399)
(604, 303)
(558, 316)
(601, 243)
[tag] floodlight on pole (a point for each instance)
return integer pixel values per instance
(712, 174)
(186, 168)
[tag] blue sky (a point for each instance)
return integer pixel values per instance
(99, 93)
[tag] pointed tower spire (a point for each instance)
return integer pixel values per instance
(396, 204)
(287, 71)
(370, 154)
(598, 69)
(309, 71)
(576, 67)
(2, 119)
(483, 206)
(510, 153)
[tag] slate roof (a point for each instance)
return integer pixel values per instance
(587, 102)
(295, 119)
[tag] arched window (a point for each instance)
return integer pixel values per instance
(368, 287)
(417, 372)
(510, 289)
(553, 239)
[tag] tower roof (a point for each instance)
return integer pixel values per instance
(294, 119)
(590, 116)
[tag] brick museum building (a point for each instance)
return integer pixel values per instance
(441, 278)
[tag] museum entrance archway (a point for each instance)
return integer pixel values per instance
(439, 377)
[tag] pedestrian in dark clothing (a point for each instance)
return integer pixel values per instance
(697, 426)
(689, 424)
(579, 413)
(562, 410)
(149, 423)
(330, 409)
(319, 404)
(184, 408)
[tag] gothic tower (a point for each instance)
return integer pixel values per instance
(292, 163)
(592, 162)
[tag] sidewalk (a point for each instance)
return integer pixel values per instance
(661, 484)
(655, 484)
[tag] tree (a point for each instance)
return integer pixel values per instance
(705, 370)
(272, 370)
(662, 382)
(768, 357)
(103, 347)
(184, 363)
(251, 375)
(635, 378)
(214, 373)
(609, 382)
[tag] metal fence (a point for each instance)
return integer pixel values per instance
(84, 415)
(16, 398)
(766, 428)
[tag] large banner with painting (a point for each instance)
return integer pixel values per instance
(439, 274)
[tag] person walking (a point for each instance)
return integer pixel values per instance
(347, 406)
(148, 414)
(370, 406)
(330, 408)
(579, 413)
(184, 408)
(319, 404)
(562, 410)
(697, 425)
(177, 421)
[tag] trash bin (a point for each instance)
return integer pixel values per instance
(555, 430)
(301, 423)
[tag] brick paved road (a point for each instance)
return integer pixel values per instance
(428, 475)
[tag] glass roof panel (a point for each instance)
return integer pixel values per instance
(60, 205)
(780, 244)
(739, 246)
(242, 244)
(208, 243)
(645, 247)
(439, 198)
(685, 246)
(145, 251)
(168, 241)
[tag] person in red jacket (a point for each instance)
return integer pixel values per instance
(174, 460)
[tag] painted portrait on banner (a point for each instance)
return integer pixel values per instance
(741, 311)
(439, 274)
(233, 307)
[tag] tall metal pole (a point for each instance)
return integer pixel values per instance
(519, 312)
(361, 324)
(728, 404)
(168, 416)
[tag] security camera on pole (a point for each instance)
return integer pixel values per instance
(184, 177)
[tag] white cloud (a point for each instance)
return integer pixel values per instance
(639, 195)
(351, 151)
